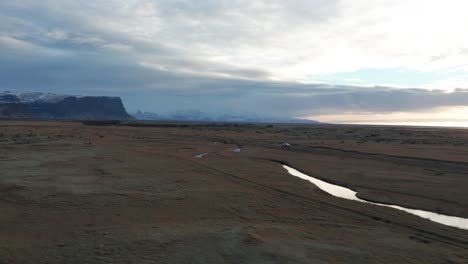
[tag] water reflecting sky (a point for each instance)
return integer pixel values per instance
(345, 193)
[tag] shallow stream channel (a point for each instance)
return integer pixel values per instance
(345, 193)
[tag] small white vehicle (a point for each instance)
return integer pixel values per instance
(285, 145)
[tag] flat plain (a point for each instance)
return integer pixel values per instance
(75, 193)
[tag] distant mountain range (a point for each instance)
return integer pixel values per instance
(36, 105)
(200, 116)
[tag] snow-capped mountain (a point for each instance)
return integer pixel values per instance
(57, 106)
(30, 97)
(200, 116)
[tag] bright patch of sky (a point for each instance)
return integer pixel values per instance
(441, 116)
(449, 79)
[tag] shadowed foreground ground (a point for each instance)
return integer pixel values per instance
(71, 193)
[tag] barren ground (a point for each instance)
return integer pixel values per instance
(73, 193)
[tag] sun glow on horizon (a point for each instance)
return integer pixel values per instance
(442, 117)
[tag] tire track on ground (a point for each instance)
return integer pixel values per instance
(299, 198)
(461, 243)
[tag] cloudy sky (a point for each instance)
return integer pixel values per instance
(359, 61)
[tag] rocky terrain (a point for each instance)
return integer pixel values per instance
(122, 193)
(63, 107)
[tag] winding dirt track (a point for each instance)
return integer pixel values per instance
(71, 193)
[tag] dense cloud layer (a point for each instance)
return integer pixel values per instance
(250, 56)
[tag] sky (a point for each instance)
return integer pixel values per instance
(342, 61)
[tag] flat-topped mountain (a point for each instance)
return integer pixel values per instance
(56, 106)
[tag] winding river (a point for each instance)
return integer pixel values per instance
(345, 193)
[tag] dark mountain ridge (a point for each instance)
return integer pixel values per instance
(64, 107)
